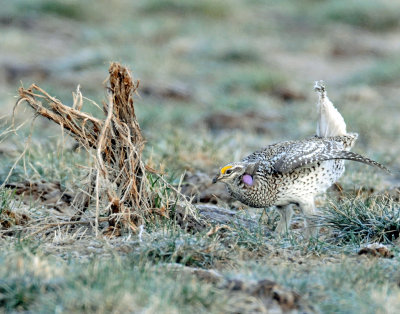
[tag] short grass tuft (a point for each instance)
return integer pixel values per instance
(374, 219)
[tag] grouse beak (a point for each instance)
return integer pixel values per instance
(216, 178)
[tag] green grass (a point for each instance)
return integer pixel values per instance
(50, 161)
(374, 219)
(370, 14)
(34, 279)
(385, 71)
(171, 245)
(204, 8)
(69, 9)
(347, 286)
(42, 283)
(258, 80)
(6, 196)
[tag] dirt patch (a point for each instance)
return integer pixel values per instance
(199, 188)
(49, 194)
(248, 120)
(10, 218)
(376, 250)
(250, 296)
(175, 91)
(270, 294)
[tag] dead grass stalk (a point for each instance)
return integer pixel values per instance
(118, 143)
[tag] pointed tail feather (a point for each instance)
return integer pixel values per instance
(330, 121)
(357, 157)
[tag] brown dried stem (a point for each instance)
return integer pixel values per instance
(117, 140)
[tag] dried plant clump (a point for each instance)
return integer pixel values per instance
(119, 177)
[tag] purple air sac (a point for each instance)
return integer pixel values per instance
(248, 179)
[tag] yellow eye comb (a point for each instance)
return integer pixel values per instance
(223, 170)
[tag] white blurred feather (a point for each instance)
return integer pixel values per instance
(330, 121)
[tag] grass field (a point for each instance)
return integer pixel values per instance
(218, 80)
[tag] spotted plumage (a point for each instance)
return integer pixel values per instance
(293, 172)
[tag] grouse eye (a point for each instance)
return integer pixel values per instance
(229, 171)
